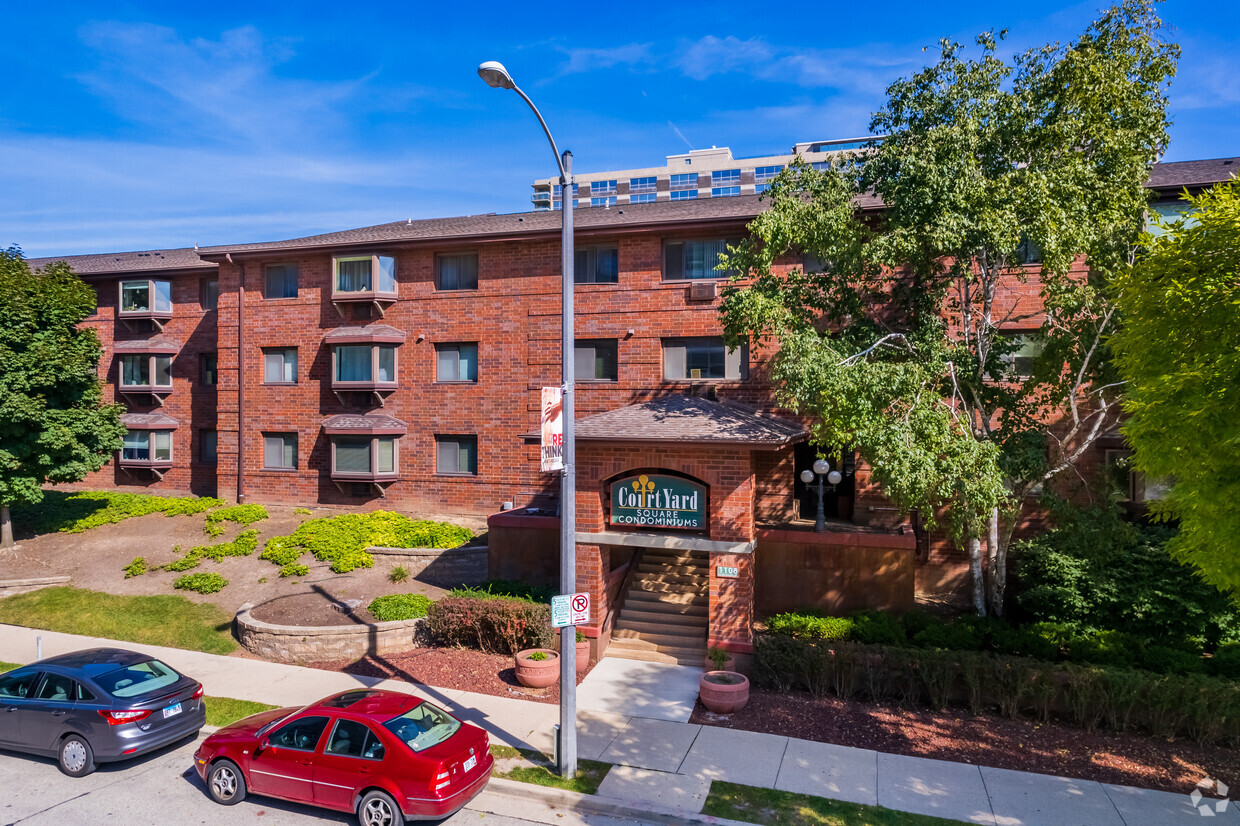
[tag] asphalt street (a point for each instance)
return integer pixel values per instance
(160, 789)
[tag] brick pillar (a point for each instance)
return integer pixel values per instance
(731, 603)
(227, 383)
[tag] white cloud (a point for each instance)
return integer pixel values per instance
(591, 60)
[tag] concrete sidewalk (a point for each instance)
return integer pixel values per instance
(667, 765)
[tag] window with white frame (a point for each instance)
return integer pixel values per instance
(363, 456)
(147, 446)
(639, 185)
(280, 451)
(606, 201)
(603, 188)
(725, 177)
(643, 198)
(456, 362)
(456, 455)
(702, 358)
(684, 194)
(280, 280)
(279, 365)
(456, 271)
(688, 180)
(695, 259)
(364, 363)
(596, 265)
(146, 370)
(364, 274)
(763, 174)
(1021, 351)
(148, 296)
(724, 191)
(596, 359)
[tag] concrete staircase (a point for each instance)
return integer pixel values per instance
(664, 618)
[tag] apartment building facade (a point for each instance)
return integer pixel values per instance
(401, 366)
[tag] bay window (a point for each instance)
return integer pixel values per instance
(363, 277)
(146, 299)
(363, 457)
(363, 366)
(147, 447)
(146, 371)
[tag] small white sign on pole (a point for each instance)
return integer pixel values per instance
(570, 609)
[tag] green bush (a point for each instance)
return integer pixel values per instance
(1226, 661)
(294, 569)
(1113, 648)
(302, 511)
(1097, 571)
(499, 624)
(65, 512)
(877, 628)
(916, 621)
(954, 637)
(342, 540)
(1162, 659)
(810, 625)
(540, 594)
(244, 545)
(399, 607)
(136, 568)
(202, 583)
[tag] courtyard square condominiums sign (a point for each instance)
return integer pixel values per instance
(653, 501)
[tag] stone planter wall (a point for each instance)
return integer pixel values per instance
(442, 567)
(298, 643)
(12, 587)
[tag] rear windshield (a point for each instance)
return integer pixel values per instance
(423, 726)
(137, 679)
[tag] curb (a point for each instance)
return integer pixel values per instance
(597, 804)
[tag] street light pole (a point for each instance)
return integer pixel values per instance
(497, 77)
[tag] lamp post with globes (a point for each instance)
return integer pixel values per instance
(826, 476)
(497, 77)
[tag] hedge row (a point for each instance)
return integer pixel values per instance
(1204, 708)
(498, 625)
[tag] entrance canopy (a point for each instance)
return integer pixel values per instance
(691, 420)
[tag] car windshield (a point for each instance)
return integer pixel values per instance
(137, 679)
(423, 726)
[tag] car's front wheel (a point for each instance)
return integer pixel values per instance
(377, 808)
(225, 783)
(76, 757)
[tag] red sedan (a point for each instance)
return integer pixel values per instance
(387, 756)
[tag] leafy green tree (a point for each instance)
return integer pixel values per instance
(53, 424)
(895, 338)
(1179, 350)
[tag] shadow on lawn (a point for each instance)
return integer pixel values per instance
(57, 511)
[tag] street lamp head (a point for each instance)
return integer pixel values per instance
(821, 466)
(495, 75)
(835, 477)
(807, 476)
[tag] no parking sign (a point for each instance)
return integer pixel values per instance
(570, 609)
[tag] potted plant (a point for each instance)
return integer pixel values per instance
(723, 692)
(719, 660)
(537, 667)
(583, 653)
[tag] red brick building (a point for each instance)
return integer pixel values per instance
(400, 366)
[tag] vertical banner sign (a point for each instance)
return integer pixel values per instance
(552, 429)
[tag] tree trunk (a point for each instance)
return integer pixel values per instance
(995, 567)
(6, 528)
(1003, 542)
(975, 568)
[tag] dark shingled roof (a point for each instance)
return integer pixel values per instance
(690, 419)
(1180, 174)
(364, 423)
(148, 421)
(113, 262)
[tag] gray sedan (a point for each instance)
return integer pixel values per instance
(96, 706)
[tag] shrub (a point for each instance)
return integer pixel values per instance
(916, 621)
(294, 569)
(1226, 661)
(202, 583)
(342, 540)
(136, 568)
(1162, 659)
(302, 511)
(877, 628)
(1085, 692)
(1123, 691)
(954, 637)
(1114, 648)
(1023, 642)
(500, 625)
(398, 574)
(244, 545)
(399, 607)
(541, 594)
(811, 625)
(537, 656)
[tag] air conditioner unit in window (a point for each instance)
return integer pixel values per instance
(705, 291)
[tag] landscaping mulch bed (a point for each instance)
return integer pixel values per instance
(316, 608)
(459, 668)
(1051, 748)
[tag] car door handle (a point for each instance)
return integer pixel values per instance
(58, 713)
(10, 708)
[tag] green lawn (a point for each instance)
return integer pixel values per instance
(224, 710)
(8, 667)
(590, 773)
(774, 808)
(173, 621)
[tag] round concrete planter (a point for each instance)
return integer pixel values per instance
(322, 643)
(537, 673)
(723, 697)
(583, 655)
(729, 664)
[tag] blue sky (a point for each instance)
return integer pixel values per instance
(132, 125)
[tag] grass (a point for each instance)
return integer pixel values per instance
(173, 621)
(8, 667)
(775, 808)
(590, 773)
(224, 710)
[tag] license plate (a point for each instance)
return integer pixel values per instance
(470, 763)
(172, 710)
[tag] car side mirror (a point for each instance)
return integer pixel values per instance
(264, 744)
